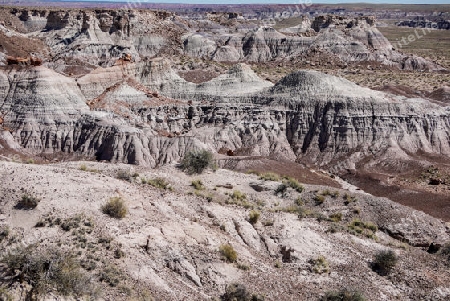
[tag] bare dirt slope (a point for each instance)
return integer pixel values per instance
(168, 244)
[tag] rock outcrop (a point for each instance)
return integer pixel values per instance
(93, 38)
(421, 22)
(306, 116)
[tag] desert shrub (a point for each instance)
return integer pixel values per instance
(115, 207)
(281, 189)
(110, 275)
(46, 271)
(299, 201)
(336, 217)
(384, 262)
(27, 202)
(124, 175)
(71, 223)
(349, 199)
(158, 182)
(196, 161)
(367, 229)
(228, 252)
(319, 199)
(197, 184)
(253, 217)
(118, 253)
(83, 167)
(371, 226)
(303, 212)
(294, 184)
(88, 264)
(269, 176)
(243, 266)
(278, 264)
(326, 192)
(238, 292)
(288, 209)
(334, 228)
(238, 196)
(320, 265)
(335, 194)
(4, 233)
(343, 295)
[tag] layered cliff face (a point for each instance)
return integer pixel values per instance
(330, 116)
(41, 108)
(81, 40)
(307, 116)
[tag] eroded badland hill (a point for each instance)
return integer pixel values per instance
(316, 184)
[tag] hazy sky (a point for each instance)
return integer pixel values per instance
(283, 1)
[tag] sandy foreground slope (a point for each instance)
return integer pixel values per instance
(168, 244)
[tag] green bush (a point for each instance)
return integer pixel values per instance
(253, 217)
(27, 202)
(384, 262)
(47, 271)
(196, 161)
(228, 252)
(115, 207)
(343, 295)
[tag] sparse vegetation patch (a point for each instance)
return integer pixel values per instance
(269, 176)
(320, 265)
(115, 207)
(384, 262)
(367, 229)
(158, 182)
(228, 252)
(46, 271)
(27, 202)
(197, 184)
(197, 161)
(254, 216)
